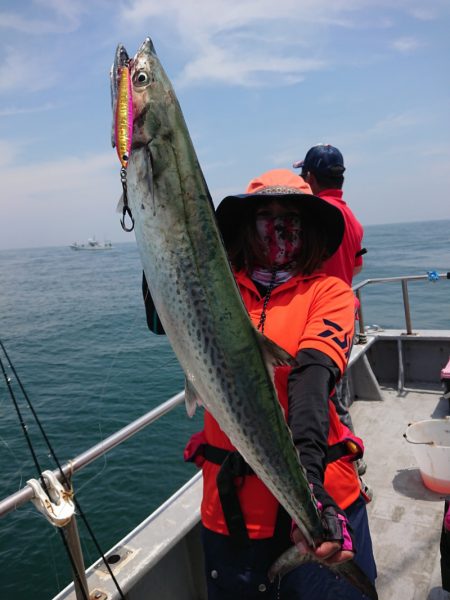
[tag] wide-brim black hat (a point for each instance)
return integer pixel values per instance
(281, 185)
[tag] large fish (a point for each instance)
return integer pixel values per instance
(228, 364)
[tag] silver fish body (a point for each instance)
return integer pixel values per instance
(228, 364)
(223, 356)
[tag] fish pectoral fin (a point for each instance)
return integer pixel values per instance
(274, 355)
(191, 398)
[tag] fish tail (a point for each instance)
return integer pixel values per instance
(349, 570)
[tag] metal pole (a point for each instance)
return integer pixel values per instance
(73, 541)
(401, 370)
(406, 307)
(26, 493)
(362, 337)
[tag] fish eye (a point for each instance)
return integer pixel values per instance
(141, 78)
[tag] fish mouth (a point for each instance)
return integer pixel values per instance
(139, 67)
(121, 59)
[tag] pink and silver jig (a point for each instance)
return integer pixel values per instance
(124, 117)
(123, 133)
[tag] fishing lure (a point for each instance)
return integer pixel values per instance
(124, 117)
(123, 133)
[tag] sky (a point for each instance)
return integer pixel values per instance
(259, 83)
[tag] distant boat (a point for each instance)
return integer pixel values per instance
(92, 244)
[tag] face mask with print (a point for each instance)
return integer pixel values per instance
(280, 236)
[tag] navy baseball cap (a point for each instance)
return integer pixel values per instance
(322, 159)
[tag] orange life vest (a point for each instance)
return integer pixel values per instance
(304, 312)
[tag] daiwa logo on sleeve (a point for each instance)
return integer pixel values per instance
(342, 343)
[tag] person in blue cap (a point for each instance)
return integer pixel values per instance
(323, 169)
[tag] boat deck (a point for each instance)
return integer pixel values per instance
(405, 517)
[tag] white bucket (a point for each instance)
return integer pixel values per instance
(430, 442)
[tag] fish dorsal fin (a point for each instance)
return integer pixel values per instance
(274, 355)
(191, 397)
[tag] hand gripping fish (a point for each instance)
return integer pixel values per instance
(228, 364)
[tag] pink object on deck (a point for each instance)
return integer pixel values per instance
(445, 372)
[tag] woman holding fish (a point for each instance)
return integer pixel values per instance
(277, 236)
(301, 323)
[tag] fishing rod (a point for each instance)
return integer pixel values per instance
(80, 578)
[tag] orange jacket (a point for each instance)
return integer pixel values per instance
(304, 312)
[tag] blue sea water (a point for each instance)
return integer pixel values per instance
(74, 326)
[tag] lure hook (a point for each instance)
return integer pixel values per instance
(127, 211)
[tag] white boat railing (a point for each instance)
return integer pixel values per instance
(432, 276)
(26, 493)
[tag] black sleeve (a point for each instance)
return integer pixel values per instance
(153, 322)
(309, 386)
